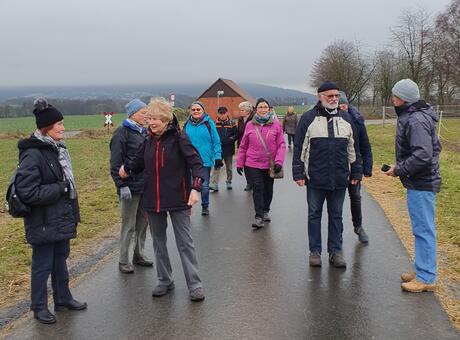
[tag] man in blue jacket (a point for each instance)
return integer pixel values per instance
(325, 160)
(417, 166)
(362, 143)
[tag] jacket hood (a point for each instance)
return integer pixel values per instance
(425, 108)
(32, 143)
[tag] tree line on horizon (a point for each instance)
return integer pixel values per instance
(422, 47)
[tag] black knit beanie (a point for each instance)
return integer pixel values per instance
(45, 114)
(262, 100)
(327, 85)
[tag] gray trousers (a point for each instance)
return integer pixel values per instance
(133, 224)
(182, 232)
(228, 160)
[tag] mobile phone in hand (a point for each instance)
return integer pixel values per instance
(385, 167)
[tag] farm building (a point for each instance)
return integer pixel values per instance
(224, 92)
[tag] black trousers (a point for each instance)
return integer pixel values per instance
(290, 138)
(262, 189)
(49, 259)
(354, 191)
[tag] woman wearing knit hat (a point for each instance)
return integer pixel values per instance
(261, 148)
(46, 183)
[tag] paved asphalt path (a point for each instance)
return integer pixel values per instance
(258, 284)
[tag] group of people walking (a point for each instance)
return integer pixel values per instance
(160, 169)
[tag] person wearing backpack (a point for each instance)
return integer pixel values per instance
(45, 182)
(203, 134)
(263, 136)
(125, 142)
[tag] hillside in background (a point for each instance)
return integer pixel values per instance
(75, 100)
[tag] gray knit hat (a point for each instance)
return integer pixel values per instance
(343, 98)
(407, 90)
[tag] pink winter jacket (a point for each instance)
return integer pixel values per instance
(252, 153)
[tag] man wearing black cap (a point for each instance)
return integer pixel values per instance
(325, 160)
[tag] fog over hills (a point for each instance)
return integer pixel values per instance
(132, 91)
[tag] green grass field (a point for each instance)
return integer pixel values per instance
(78, 122)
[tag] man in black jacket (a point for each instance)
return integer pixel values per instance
(126, 141)
(362, 143)
(228, 134)
(417, 166)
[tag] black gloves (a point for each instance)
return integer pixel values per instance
(239, 171)
(277, 168)
(218, 164)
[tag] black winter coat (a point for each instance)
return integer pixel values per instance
(362, 141)
(169, 163)
(228, 134)
(124, 146)
(418, 147)
(242, 126)
(39, 184)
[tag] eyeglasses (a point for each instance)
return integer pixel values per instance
(197, 109)
(330, 96)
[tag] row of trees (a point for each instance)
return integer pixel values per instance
(422, 47)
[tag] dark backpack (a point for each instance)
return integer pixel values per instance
(14, 205)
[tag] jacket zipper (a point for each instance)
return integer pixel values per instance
(337, 126)
(163, 156)
(157, 175)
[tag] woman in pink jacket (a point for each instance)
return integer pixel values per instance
(253, 157)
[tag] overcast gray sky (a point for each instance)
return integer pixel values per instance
(88, 42)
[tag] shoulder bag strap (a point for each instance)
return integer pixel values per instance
(262, 140)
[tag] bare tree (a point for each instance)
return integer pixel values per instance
(413, 37)
(446, 59)
(343, 63)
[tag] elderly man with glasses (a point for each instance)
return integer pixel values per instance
(325, 160)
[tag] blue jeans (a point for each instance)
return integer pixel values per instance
(315, 200)
(421, 206)
(205, 188)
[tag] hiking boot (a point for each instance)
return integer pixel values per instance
(213, 188)
(161, 290)
(141, 261)
(44, 316)
(70, 305)
(416, 286)
(229, 185)
(267, 217)
(337, 260)
(197, 294)
(407, 277)
(362, 236)
(205, 211)
(248, 187)
(315, 259)
(126, 268)
(258, 223)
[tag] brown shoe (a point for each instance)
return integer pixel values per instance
(416, 286)
(126, 268)
(407, 277)
(141, 261)
(315, 259)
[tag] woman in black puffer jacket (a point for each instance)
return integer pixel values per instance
(45, 182)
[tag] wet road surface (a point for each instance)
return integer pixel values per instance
(258, 284)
